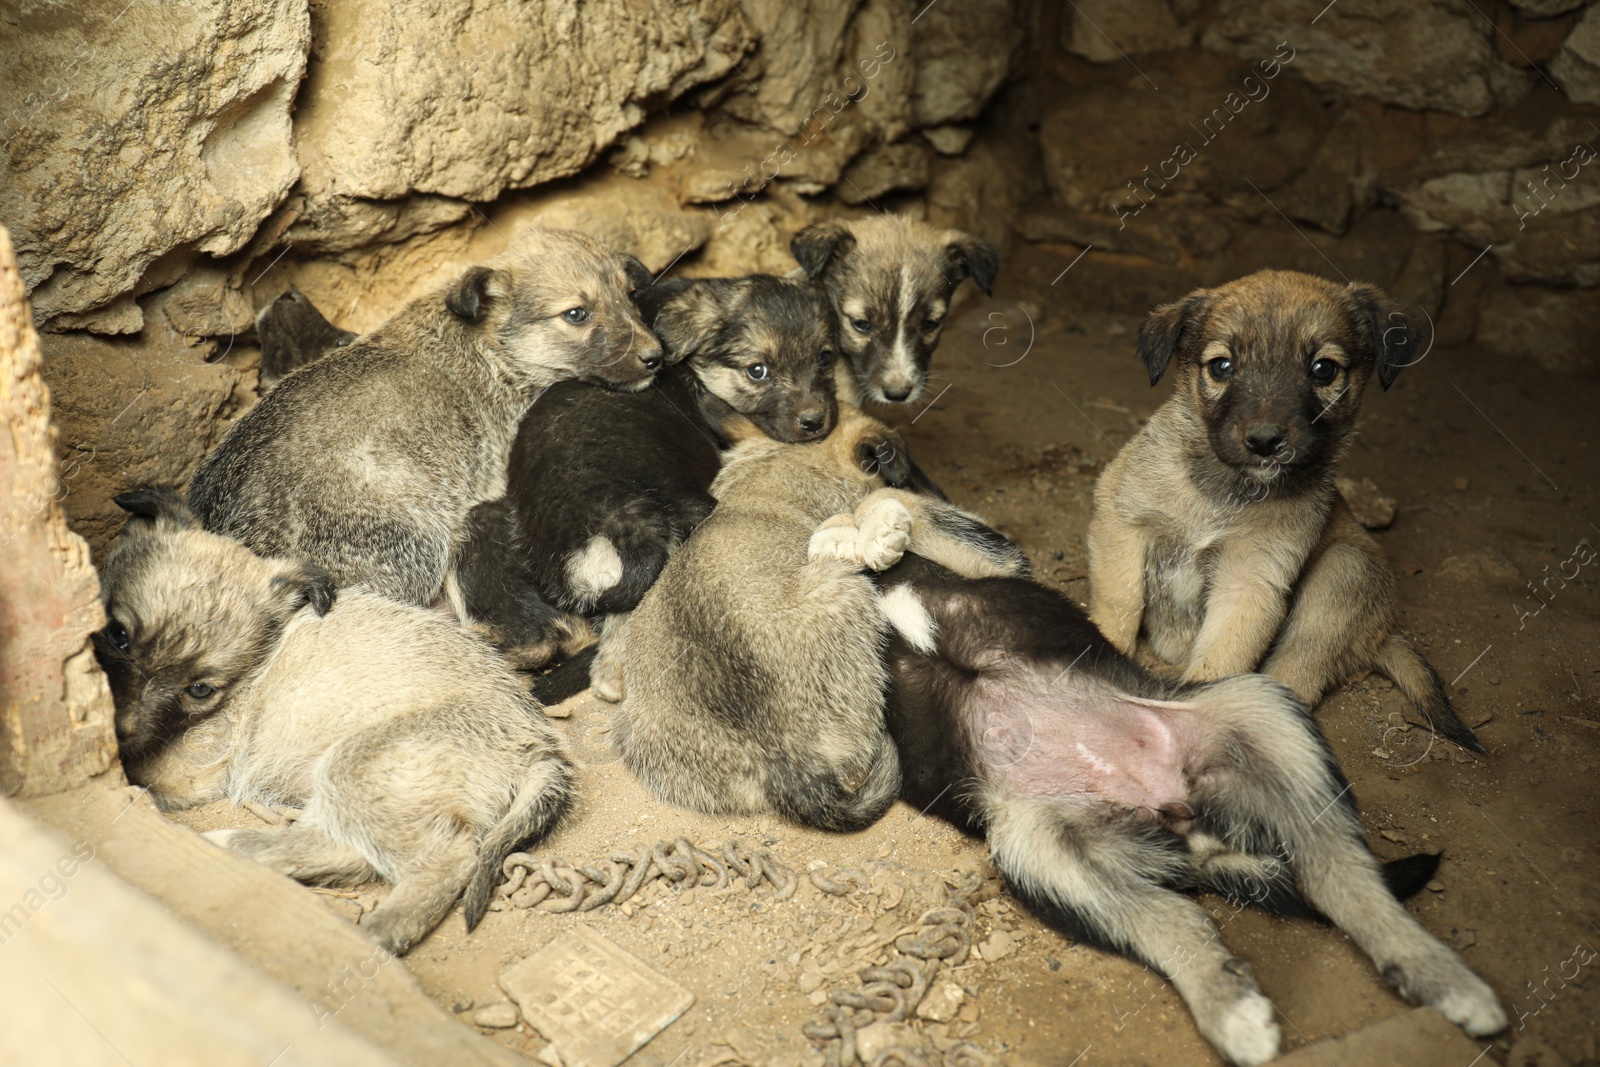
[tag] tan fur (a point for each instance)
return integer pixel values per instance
(416, 754)
(751, 676)
(1227, 560)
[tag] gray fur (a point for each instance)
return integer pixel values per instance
(367, 460)
(417, 756)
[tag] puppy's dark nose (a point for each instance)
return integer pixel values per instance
(651, 358)
(896, 395)
(1264, 439)
(811, 422)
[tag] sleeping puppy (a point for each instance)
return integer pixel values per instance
(603, 487)
(292, 333)
(1103, 791)
(890, 279)
(751, 675)
(417, 756)
(1218, 532)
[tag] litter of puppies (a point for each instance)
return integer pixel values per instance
(669, 490)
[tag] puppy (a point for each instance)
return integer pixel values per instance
(1103, 790)
(416, 754)
(602, 487)
(890, 279)
(366, 461)
(292, 333)
(1218, 531)
(751, 675)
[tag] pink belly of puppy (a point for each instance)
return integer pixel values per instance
(1083, 742)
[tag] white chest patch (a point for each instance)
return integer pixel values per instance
(904, 610)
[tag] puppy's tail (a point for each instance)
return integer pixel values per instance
(546, 792)
(1411, 673)
(819, 798)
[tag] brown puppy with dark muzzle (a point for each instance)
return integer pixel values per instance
(1218, 532)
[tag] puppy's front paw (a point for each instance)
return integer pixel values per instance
(837, 538)
(220, 838)
(885, 533)
(1247, 1033)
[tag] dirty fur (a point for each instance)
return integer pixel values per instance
(366, 460)
(890, 279)
(1218, 532)
(1104, 792)
(750, 677)
(415, 753)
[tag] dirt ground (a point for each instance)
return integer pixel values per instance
(1493, 464)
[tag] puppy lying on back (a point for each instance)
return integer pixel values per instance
(366, 461)
(751, 675)
(1218, 531)
(890, 279)
(416, 754)
(1102, 790)
(602, 487)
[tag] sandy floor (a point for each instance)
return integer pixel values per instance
(1494, 467)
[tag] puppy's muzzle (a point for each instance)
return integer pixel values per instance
(1265, 439)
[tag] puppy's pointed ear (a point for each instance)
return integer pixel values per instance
(1164, 328)
(820, 245)
(639, 276)
(471, 296)
(158, 504)
(972, 257)
(684, 313)
(1388, 327)
(303, 584)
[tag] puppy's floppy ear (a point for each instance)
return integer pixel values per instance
(684, 313)
(156, 504)
(472, 294)
(972, 257)
(820, 245)
(1163, 330)
(639, 276)
(1387, 326)
(303, 584)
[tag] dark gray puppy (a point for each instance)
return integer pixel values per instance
(367, 460)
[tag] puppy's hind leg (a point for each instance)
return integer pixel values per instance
(1102, 884)
(302, 851)
(428, 887)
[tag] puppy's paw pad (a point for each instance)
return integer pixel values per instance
(220, 838)
(836, 542)
(885, 533)
(1247, 1033)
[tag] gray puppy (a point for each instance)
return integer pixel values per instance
(417, 755)
(891, 279)
(1218, 531)
(367, 460)
(751, 677)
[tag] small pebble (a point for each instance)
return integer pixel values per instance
(500, 1016)
(1436, 886)
(1462, 484)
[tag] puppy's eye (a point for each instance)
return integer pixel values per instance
(343, 342)
(1324, 370)
(758, 371)
(1220, 369)
(931, 324)
(826, 357)
(576, 315)
(118, 634)
(201, 691)
(861, 325)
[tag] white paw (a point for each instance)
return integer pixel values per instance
(1247, 1034)
(885, 533)
(1473, 1007)
(836, 542)
(220, 838)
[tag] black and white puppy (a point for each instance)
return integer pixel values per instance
(1102, 791)
(890, 279)
(603, 486)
